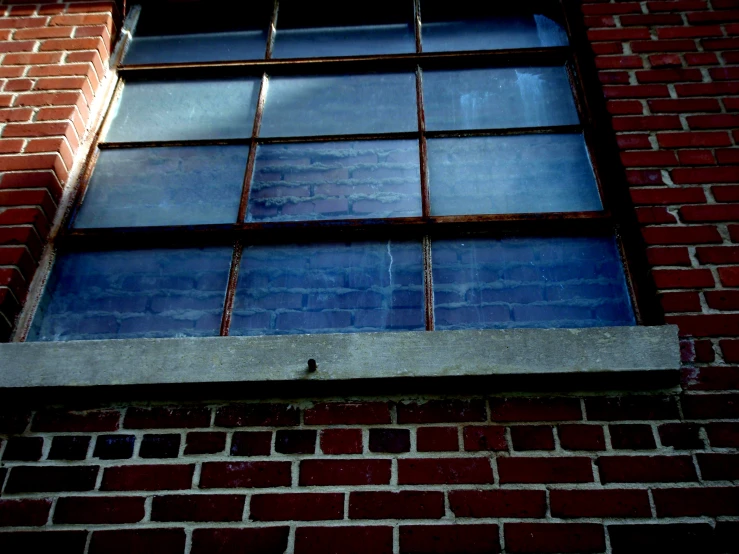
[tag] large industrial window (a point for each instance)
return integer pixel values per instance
(338, 167)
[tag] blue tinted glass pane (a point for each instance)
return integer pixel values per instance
(512, 174)
(324, 42)
(134, 294)
(534, 31)
(336, 180)
(498, 98)
(185, 110)
(164, 186)
(529, 282)
(329, 288)
(202, 47)
(340, 105)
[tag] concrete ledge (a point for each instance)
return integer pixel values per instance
(339, 357)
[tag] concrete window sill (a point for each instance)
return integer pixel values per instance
(345, 357)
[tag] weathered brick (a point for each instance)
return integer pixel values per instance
(498, 503)
(439, 471)
(437, 439)
(23, 449)
(711, 406)
(396, 505)
(489, 437)
(295, 442)
(166, 418)
(632, 437)
(630, 408)
(680, 436)
(218, 475)
(24, 513)
(251, 443)
(69, 448)
(717, 467)
(545, 470)
(442, 411)
(600, 503)
(344, 472)
(718, 501)
(581, 437)
(723, 435)
(97, 511)
(114, 447)
(554, 537)
(532, 437)
(262, 540)
(198, 507)
(335, 540)
(389, 440)
(251, 415)
(69, 542)
(161, 541)
(354, 413)
(676, 537)
(646, 469)
(51, 479)
(534, 409)
(76, 422)
(296, 507)
(160, 446)
(147, 478)
(341, 441)
(205, 442)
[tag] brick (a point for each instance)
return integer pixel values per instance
(396, 505)
(166, 418)
(723, 435)
(726, 533)
(726, 194)
(251, 443)
(442, 411)
(668, 75)
(98, 511)
(114, 447)
(730, 156)
(24, 513)
(723, 300)
(711, 406)
(680, 302)
(262, 540)
(295, 442)
(437, 439)
(611, 9)
(13, 421)
(704, 351)
(442, 539)
(711, 378)
(617, 34)
(205, 442)
(498, 503)
(341, 441)
(706, 89)
(683, 278)
(28, 479)
(554, 537)
(69, 448)
(632, 437)
(147, 478)
(219, 475)
(600, 503)
(160, 446)
(534, 409)
(683, 105)
(69, 542)
(444, 471)
(349, 413)
(717, 467)
(479, 438)
(161, 541)
(633, 142)
(661, 46)
(706, 325)
(341, 540)
(257, 415)
(25, 449)
(389, 440)
(636, 91)
(696, 157)
(647, 123)
(630, 408)
(344, 472)
(649, 159)
(198, 507)
(712, 121)
(701, 58)
(676, 537)
(646, 469)
(619, 62)
(729, 276)
(545, 470)
(689, 32)
(76, 422)
(297, 507)
(581, 437)
(697, 139)
(718, 501)
(680, 436)
(15, 114)
(665, 60)
(532, 437)
(718, 254)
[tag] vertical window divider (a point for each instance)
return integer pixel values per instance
(428, 284)
(417, 25)
(233, 280)
(272, 30)
(253, 149)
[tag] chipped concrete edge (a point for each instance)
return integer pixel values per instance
(339, 357)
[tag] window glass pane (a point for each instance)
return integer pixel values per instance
(340, 105)
(493, 33)
(336, 180)
(164, 186)
(529, 282)
(185, 110)
(133, 294)
(498, 98)
(329, 288)
(200, 47)
(364, 40)
(511, 174)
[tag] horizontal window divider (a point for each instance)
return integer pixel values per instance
(410, 135)
(339, 230)
(170, 143)
(383, 63)
(506, 131)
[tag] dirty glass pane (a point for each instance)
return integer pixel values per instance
(185, 110)
(329, 288)
(529, 282)
(164, 186)
(491, 33)
(133, 294)
(361, 40)
(340, 105)
(512, 174)
(336, 180)
(498, 98)
(200, 47)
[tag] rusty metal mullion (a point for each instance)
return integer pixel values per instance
(422, 150)
(428, 284)
(253, 149)
(233, 279)
(417, 25)
(272, 30)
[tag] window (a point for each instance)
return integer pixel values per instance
(327, 167)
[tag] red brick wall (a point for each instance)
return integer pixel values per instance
(619, 472)
(52, 59)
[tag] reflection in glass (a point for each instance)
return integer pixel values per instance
(495, 33)
(137, 187)
(498, 98)
(335, 180)
(511, 174)
(185, 110)
(134, 294)
(200, 47)
(340, 105)
(529, 282)
(361, 40)
(329, 288)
